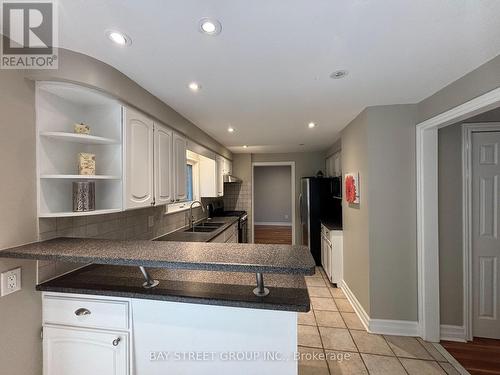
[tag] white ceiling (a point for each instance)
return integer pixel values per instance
(267, 73)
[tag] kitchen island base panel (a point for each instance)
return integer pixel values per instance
(192, 339)
(126, 336)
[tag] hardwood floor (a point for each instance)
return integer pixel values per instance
(273, 234)
(479, 357)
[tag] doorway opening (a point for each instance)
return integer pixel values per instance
(429, 202)
(273, 201)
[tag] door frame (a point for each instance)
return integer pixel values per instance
(427, 207)
(468, 302)
(291, 164)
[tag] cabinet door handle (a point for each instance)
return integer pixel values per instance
(116, 341)
(82, 312)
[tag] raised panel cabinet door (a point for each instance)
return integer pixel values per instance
(139, 191)
(485, 234)
(180, 162)
(73, 351)
(163, 165)
(220, 175)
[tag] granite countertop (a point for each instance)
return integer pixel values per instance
(331, 225)
(227, 257)
(287, 292)
(182, 236)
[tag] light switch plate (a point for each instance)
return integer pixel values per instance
(10, 281)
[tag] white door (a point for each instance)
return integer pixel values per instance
(72, 351)
(485, 241)
(180, 163)
(138, 160)
(163, 165)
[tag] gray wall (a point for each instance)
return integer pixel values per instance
(450, 225)
(273, 194)
(478, 82)
(356, 217)
(392, 212)
(20, 312)
(379, 232)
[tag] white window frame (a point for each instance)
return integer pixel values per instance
(183, 206)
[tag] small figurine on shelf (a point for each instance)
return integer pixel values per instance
(86, 163)
(82, 128)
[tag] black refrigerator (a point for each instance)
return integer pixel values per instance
(320, 200)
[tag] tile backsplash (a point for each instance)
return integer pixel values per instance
(239, 197)
(127, 225)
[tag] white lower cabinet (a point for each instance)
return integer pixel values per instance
(230, 235)
(85, 335)
(332, 254)
(78, 351)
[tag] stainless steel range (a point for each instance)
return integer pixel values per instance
(216, 209)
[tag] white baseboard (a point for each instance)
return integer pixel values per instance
(360, 311)
(453, 333)
(277, 223)
(394, 327)
(380, 326)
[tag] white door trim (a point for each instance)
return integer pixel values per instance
(427, 207)
(271, 164)
(467, 131)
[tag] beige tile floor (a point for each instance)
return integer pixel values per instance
(332, 340)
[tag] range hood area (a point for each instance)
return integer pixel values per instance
(230, 179)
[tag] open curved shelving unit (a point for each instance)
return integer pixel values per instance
(60, 106)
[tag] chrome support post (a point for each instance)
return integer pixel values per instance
(149, 283)
(261, 290)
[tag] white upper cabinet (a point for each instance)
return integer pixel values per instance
(208, 177)
(139, 174)
(333, 165)
(180, 162)
(220, 175)
(163, 165)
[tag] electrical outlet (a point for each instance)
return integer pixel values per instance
(151, 221)
(10, 281)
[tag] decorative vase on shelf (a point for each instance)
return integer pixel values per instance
(82, 128)
(83, 196)
(86, 163)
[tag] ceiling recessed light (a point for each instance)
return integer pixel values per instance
(311, 125)
(230, 129)
(194, 86)
(118, 38)
(210, 26)
(338, 74)
(245, 146)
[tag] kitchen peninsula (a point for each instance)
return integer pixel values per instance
(205, 299)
